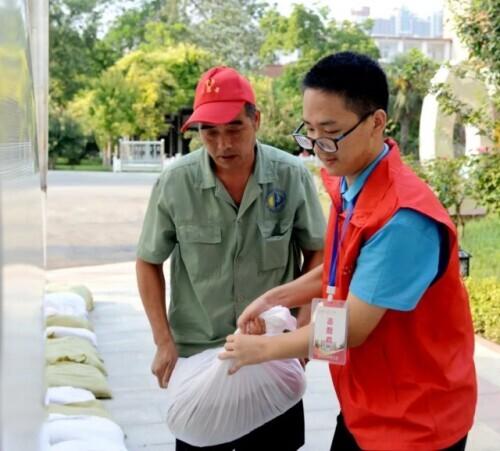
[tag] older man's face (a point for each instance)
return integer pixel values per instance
(232, 145)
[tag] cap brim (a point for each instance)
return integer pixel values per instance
(216, 113)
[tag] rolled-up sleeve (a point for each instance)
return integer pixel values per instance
(158, 235)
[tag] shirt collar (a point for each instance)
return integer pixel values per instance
(206, 173)
(349, 193)
(264, 170)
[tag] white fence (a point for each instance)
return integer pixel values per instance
(140, 156)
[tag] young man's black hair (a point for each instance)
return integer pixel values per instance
(357, 78)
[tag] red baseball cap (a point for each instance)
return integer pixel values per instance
(220, 96)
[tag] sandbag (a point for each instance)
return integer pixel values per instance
(81, 290)
(88, 408)
(64, 303)
(63, 428)
(72, 349)
(67, 395)
(68, 321)
(87, 445)
(78, 375)
(60, 332)
(207, 407)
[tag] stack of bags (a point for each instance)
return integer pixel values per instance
(76, 376)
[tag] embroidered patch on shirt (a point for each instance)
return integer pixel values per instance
(276, 200)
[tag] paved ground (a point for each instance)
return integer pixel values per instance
(138, 405)
(95, 218)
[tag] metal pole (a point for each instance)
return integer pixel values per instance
(162, 153)
(39, 15)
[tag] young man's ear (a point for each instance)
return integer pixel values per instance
(379, 121)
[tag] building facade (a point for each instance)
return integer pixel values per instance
(23, 150)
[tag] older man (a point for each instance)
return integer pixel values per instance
(239, 218)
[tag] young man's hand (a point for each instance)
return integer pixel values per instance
(251, 313)
(245, 350)
(164, 362)
(256, 327)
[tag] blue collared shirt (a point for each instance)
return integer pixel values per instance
(399, 262)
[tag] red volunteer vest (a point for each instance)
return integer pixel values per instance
(412, 384)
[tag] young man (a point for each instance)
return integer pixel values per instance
(391, 253)
(238, 218)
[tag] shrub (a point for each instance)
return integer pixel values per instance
(66, 138)
(484, 297)
(485, 174)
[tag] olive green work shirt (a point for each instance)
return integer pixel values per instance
(223, 256)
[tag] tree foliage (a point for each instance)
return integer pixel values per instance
(308, 34)
(409, 78)
(450, 183)
(477, 23)
(485, 175)
(66, 138)
(229, 30)
(279, 113)
(133, 97)
(455, 179)
(76, 54)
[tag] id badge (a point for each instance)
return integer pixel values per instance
(328, 339)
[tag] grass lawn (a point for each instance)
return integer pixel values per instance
(91, 164)
(482, 240)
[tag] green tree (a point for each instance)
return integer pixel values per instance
(477, 23)
(229, 30)
(308, 34)
(485, 179)
(127, 31)
(110, 110)
(448, 179)
(66, 138)
(130, 28)
(409, 77)
(133, 97)
(76, 55)
(279, 113)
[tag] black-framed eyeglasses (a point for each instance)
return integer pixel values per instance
(326, 144)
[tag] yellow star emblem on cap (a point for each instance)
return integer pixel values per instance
(210, 86)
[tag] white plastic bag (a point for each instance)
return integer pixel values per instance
(90, 444)
(62, 331)
(67, 395)
(63, 428)
(207, 407)
(64, 303)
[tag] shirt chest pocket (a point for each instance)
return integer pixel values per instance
(275, 244)
(200, 247)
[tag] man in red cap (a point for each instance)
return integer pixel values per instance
(239, 218)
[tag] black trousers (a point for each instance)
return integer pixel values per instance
(343, 440)
(284, 433)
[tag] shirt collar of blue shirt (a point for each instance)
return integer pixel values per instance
(349, 193)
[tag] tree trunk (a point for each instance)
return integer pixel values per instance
(106, 154)
(404, 135)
